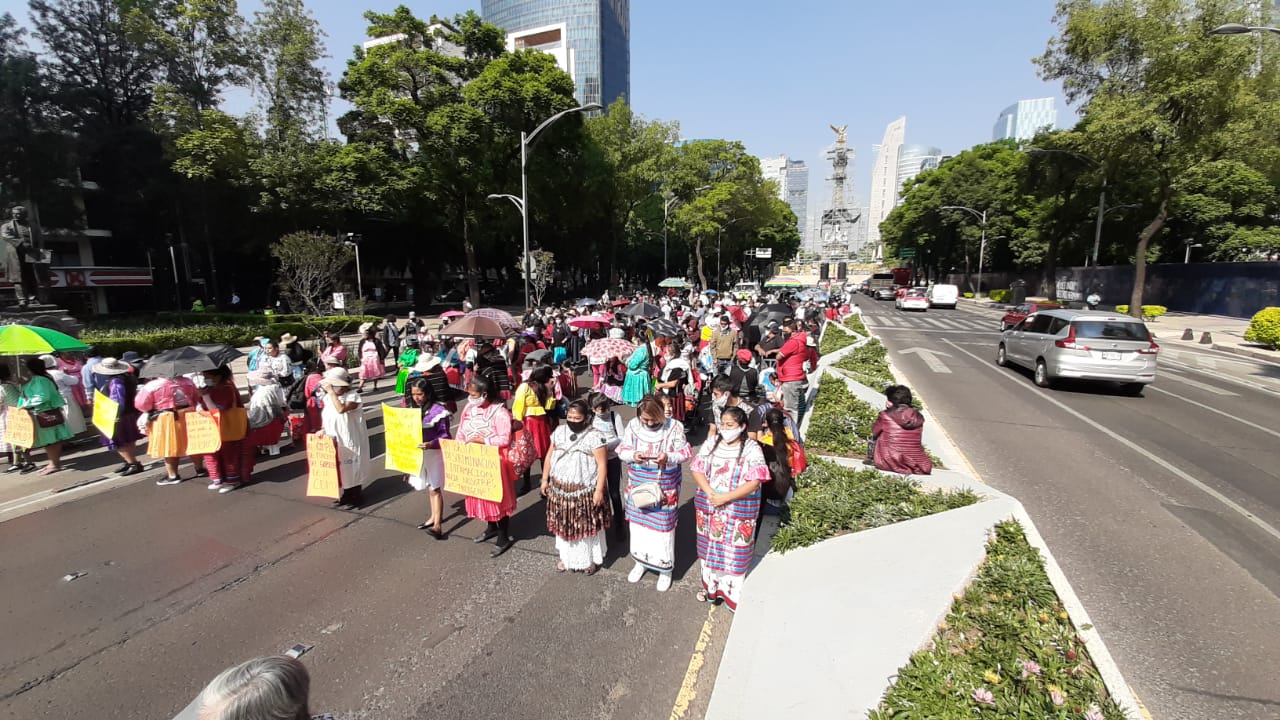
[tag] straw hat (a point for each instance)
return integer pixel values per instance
(111, 366)
(336, 377)
(616, 333)
(50, 362)
(365, 327)
(426, 363)
(288, 339)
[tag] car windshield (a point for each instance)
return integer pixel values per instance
(1111, 330)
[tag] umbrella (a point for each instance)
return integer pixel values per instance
(590, 321)
(776, 311)
(710, 292)
(586, 302)
(642, 309)
(186, 360)
(537, 356)
(620, 303)
(674, 282)
(477, 327)
(783, 281)
(451, 314)
(605, 348)
(663, 327)
(499, 316)
(34, 340)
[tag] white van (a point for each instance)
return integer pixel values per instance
(943, 296)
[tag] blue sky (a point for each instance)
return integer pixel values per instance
(775, 74)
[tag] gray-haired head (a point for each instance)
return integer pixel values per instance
(269, 688)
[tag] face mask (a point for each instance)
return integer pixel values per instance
(720, 403)
(578, 426)
(654, 426)
(730, 434)
(475, 401)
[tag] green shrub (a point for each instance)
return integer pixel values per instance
(1151, 312)
(834, 339)
(999, 295)
(832, 500)
(868, 365)
(1264, 328)
(967, 295)
(1006, 651)
(148, 340)
(854, 323)
(839, 423)
(1122, 309)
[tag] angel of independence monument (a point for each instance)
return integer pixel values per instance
(836, 227)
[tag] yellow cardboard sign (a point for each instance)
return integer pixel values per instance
(472, 469)
(203, 435)
(403, 432)
(19, 428)
(105, 413)
(323, 479)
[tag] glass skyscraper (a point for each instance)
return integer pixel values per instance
(1025, 118)
(597, 34)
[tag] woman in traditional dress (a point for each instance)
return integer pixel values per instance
(267, 411)
(165, 400)
(72, 363)
(653, 446)
(66, 388)
(729, 471)
(40, 396)
(314, 397)
(343, 420)
(220, 393)
(332, 352)
(575, 486)
(10, 396)
(610, 426)
(372, 356)
(435, 427)
(487, 422)
(639, 382)
(533, 401)
(114, 379)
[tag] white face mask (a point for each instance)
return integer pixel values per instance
(730, 434)
(720, 403)
(475, 401)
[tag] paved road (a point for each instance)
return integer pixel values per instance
(182, 582)
(1163, 509)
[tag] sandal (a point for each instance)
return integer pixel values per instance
(49, 470)
(560, 567)
(702, 596)
(592, 570)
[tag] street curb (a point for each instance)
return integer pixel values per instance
(1264, 355)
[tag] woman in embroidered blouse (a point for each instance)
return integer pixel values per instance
(435, 427)
(486, 421)
(729, 471)
(532, 404)
(574, 485)
(653, 446)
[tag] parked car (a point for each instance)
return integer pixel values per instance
(1082, 345)
(1018, 312)
(943, 296)
(913, 299)
(884, 293)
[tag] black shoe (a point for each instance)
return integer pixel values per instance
(121, 470)
(201, 472)
(502, 547)
(128, 469)
(437, 534)
(489, 534)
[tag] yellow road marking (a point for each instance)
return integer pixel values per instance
(1141, 707)
(688, 688)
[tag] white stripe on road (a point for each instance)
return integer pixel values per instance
(1177, 377)
(1120, 438)
(1211, 409)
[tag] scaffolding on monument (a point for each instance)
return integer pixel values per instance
(838, 220)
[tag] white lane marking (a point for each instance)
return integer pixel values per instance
(1178, 377)
(1212, 409)
(930, 358)
(1220, 376)
(1120, 438)
(948, 332)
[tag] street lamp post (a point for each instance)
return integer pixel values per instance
(522, 202)
(1190, 244)
(1240, 29)
(353, 241)
(668, 202)
(982, 246)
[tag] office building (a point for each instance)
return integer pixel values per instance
(590, 39)
(914, 159)
(1023, 119)
(884, 178)
(792, 177)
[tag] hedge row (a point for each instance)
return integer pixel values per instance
(834, 339)
(1150, 312)
(1264, 328)
(148, 340)
(868, 365)
(839, 423)
(854, 323)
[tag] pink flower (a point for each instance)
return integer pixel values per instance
(1029, 668)
(984, 696)
(1057, 697)
(1093, 713)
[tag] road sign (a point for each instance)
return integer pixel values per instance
(764, 253)
(339, 301)
(906, 252)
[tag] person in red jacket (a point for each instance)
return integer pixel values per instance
(792, 378)
(896, 435)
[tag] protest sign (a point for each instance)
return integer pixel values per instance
(19, 428)
(105, 413)
(472, 469)
(322, 468)
(203, 435)
(403, 432)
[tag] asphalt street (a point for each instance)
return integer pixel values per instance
(180, 582)
(1164, 510)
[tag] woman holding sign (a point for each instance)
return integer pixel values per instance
(343, 420)
(435, 427)
(486, 421)
(575, 486)
(653, 446)
(114, 380)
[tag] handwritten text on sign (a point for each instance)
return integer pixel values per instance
(322, 468)
(105, 413)
(20, 429)
(203, 435)
(403, 428)
(472, 469)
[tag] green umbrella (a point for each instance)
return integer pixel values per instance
(674, 282)
(32, 340)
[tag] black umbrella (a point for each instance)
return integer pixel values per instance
(538, 356)
(187, 360)
(663, 327)
(641, 309)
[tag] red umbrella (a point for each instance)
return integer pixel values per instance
(590, 321)
(605, 348)
(620, 303)
(451, 314)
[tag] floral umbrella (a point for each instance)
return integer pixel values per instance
(605, 348)
(501, 317)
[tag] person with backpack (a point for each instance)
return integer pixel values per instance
(784, 455)
(745, 376)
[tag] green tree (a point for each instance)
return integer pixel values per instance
(1160, 98)
(31, 148)
(310, 265)
(288, 45)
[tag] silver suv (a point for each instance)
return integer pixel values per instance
(1082, 345)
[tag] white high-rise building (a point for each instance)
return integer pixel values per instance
(792, 177)
(1023, 119)
(914, 159)
(884, 178)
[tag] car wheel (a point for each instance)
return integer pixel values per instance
(1042, 375)
(1133, 389)
(1001, 358)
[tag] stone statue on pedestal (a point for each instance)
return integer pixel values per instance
(20, 255)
